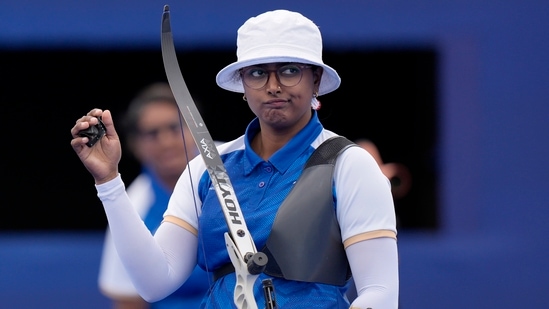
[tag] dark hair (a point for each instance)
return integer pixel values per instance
(159, 91)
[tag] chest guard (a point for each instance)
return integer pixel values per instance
(305, 241)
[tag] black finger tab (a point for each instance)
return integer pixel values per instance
(93, 133)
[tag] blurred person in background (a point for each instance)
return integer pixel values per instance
(398, 174)
(160, 141)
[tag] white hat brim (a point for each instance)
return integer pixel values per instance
(228, 78)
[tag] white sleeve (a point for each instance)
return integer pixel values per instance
(364, 200)
(375, 275)
(113, 280)
(157, 265)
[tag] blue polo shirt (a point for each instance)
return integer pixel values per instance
(261, 187)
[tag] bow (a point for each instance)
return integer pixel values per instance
(248, 263)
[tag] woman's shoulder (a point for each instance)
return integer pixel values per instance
(352, 156)
(230, 146)
(322, 137)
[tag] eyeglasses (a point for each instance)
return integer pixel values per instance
(153, 134)
(288, 75)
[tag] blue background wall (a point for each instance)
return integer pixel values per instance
(491, 249)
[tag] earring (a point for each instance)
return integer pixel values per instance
(315, 104)
(244, 98)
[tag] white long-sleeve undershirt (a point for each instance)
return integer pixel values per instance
(375, 275)
(157, 265)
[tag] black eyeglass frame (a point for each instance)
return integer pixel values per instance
(267, 74)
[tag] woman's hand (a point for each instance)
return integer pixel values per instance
(102, 159)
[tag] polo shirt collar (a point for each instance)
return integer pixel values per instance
(285, 156)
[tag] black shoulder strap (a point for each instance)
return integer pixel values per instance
(328, 151)
(305, 240)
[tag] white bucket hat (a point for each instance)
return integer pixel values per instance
(277, 36)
